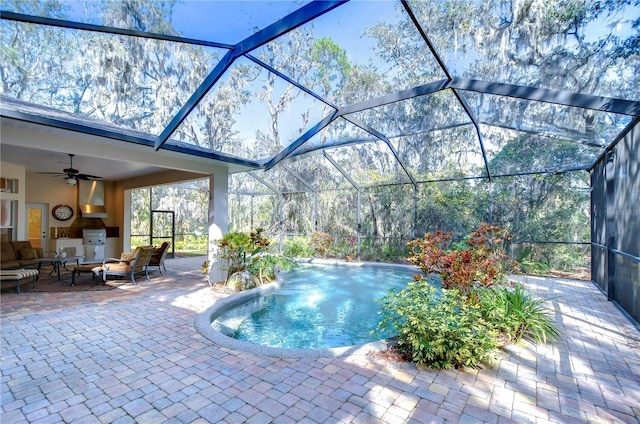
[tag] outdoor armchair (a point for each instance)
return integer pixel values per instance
(159, 254)
(129, 264)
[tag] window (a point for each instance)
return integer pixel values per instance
(8, 213)
(8, 185)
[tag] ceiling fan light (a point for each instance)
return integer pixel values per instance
(70, 181)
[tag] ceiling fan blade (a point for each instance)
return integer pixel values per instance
(60, 174)
(71, 173)
(87, 177)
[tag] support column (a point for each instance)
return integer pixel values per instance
(280, 222)
(251, 226)
(218, 220)
(415, 211)
(315, 211)
(359, 227)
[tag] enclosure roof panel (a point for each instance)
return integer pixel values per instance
(24, 111)
(574, 46)
(451, 152)
(514, 152)
(338, 54)
(223, 21)
(584, 126)
(370, 164)
(328, 94)
(109, 77)
(415, 115)
(250, 112)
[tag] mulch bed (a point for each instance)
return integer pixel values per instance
(392, 353)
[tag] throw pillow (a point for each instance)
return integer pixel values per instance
(27, 253)
(127, 256)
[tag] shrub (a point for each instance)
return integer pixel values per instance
(534, 267)
(482, 264)
(297, 247)
(383, 250)
(234, 248)
(265, 266)
(344, 246)
(192, 243)
(459, 326)
(517, 315)
(249, 252)
(320, 242)
(438, 330)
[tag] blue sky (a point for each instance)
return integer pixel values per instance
(228, 21)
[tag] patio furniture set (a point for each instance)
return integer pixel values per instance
(23, 265)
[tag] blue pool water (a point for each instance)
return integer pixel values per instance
(318, 306)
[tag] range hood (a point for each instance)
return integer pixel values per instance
(91, 199)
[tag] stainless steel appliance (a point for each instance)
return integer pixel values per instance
(93, 240)
(91, 199)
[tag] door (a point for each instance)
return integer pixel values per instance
(37, 223)
(163, 229)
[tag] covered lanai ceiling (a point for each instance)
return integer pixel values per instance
(331, 94)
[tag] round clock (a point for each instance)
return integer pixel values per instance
(62, 212)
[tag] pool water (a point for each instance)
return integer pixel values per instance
(318, 306)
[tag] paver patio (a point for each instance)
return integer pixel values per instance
(132, 354)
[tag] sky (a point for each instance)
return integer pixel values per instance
(228, 21)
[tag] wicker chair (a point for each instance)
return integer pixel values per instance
(129, 264)
(159, 254)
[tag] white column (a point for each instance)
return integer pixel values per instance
(218, 220)
(126, 224)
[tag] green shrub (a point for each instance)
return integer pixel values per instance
(297, 247)
(383, 250)
(138, 241)
(250, 252)
(534, 267)
(265, 266)
(234, 248)
(517, 315)
(191, 242)
(438, 329)
(344, 246)
(393, 253)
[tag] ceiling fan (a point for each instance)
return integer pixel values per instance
(72, 175)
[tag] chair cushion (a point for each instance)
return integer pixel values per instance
(118, 267)
(27, 253)
(127, 256)
(158, 251)
(6, 252)
(17, 245)
(18, 274)
(96, 269)
(10, 264)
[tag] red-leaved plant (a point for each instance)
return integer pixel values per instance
(483, 264)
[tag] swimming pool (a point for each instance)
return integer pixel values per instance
(320, 307)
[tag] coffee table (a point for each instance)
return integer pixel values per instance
(94, 268)
(57, 263)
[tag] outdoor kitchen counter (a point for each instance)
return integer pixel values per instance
(111, 245)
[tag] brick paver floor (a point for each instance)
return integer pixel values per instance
(132, 355)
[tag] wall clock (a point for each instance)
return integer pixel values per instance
(62, 212)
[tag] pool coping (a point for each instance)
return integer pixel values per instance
(203, 320)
